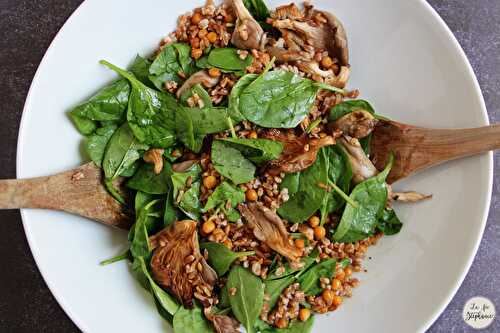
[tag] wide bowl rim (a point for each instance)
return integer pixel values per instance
(444, 302)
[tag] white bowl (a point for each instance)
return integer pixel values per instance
(405, 61)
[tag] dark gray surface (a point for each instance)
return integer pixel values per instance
(28, 26)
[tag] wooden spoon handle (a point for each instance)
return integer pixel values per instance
(77, 191)
(418, 148)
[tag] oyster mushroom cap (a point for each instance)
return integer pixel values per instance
(312, 67)
(330, 36)
(298, 154)
(357, 124)
(177, 263)
(362, 167)
(248, 34)
(201, 77)
(268, 227)
(225, 324)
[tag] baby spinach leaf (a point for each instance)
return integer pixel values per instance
(359, 222)
(257, 150)
(227, 58)
(198, 90)
(164, 299)
(109, 104)
(290, 271)
(140, 68)
(146, 180)
(389, 223)
(247, 302)
(274, 288)
(152, 221)
(193, 124)
(294, 327)
(221, 258)
(309, 196)
(279, 99)
(150, 113)
(122, 151)
(172, 60)
(341, 109)
(171, 214)
(222, 194)
(139, 246)
(309, 281)
(95, 145)
(230, 163)
(202, 62)
(258, 9)
(187, 198)
(234, 97)
(190, 321)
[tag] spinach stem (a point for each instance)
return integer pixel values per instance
(214, 214)
(343, 195)
(125, 255)
(113, 191)
(230, 123)
(268, 66)
(331, 88)
(313, 125)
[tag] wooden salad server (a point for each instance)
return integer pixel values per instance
(417, 148)
(81, 191)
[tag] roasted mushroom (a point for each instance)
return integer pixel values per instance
(298, 154)
(268, 227)
(409, 196)
(362, 167)
(357, 124)
(199, 77)
(225, 324)
(178, 265)
(248, 34)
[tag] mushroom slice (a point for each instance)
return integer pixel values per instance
(290, 11)
(298, 154)
(183, 166)
(409, 196)
(287, 55)
(248, 34)
(312, 67)
(357, 124)
(362, 167)
(330, 36)
(199, 77)
(178, 265)
(225, 324)
(339, 81)
(268, 227)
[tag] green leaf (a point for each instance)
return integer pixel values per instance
(146, 180)
(122, 151)
(247, 302)
(139, 246)
(294, 327)
(346, 107)
(193, 124)
(234, 97)
(277, 99)
(222, 194)
(310, 280)
(274, 288)
(166, 301)
(198, 90)
(95, 145)
(150, 113)
(221, 258)
(140, 68)
(174, 58)
(172, 214)
(289, 270)
(256, 150)
(230, 163)
(308, 197)
(188, 198)
(389, 223)
(227, 58)
(109, 104)
(358, 223)
(190, 321)
(258, 9)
